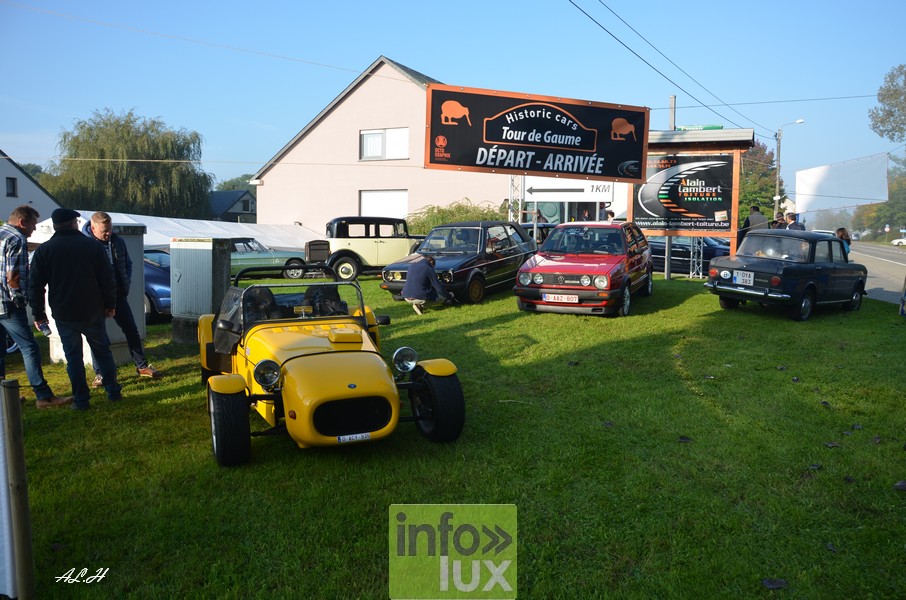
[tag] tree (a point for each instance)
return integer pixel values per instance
(757, 181)
(33, 170)
(127, 163)
(889, 119)
(237, 183)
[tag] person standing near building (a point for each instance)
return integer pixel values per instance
(14, 299)
(791, 222)
(100, 228)
(755, 220)
(81, 294)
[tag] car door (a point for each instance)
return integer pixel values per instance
(501, 253)
(824, 272)
(637, 254)
(843, 276)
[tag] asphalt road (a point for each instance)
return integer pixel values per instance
(886, 269)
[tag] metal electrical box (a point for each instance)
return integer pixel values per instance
(199, 278)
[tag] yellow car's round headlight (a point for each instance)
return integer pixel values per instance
(405, 359)
(267, 374)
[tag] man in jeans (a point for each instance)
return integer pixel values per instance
(100, 228)
(81, 295)
(13, 300)
(422, 284)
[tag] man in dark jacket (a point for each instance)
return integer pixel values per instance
(422, 284)
(14, 298)
(100, 228)
(81, 294)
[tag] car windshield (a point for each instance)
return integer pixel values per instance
(775, 248)
(160, 259)
(245, 246)
(452, 240)
(293, 302)
(584, 240)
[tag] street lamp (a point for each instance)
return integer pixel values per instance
(778, 136)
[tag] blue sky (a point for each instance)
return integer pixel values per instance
(249, 76)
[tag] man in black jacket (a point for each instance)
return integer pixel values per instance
(81, 295)
(100, 228)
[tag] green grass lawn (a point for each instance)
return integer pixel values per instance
(680, 452)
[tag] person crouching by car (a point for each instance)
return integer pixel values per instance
(422, 284)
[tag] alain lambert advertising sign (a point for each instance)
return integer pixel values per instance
(506, 132)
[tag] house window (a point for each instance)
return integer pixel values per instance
(246, 205)
(12, 187)
(384, 144)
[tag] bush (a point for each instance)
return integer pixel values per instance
(423, 221)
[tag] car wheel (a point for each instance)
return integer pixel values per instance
(346, 268)
(648, 288)
(230, 432)
(296, 270)
(727, 303)
(11, 345)
(625, 302)
(803, 309)
(855, 301)
(475, 290)
(438, 405)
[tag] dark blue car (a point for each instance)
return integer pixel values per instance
(157, 283)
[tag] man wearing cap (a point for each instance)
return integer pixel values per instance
(13, 300)
(81, 295)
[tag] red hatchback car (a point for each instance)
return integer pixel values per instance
(587, 268)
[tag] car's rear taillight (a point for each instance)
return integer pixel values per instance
(712, 273)
(775, 281)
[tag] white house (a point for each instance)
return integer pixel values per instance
(364, 154)
(20, 189)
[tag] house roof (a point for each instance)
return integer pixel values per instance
(741, 138)
(222, 201)
(24, 172)
(414, 76)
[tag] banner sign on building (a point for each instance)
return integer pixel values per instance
(505, 132)
(685, 192)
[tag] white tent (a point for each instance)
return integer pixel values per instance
(160, 230)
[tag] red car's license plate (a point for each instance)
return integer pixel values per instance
(570, 298)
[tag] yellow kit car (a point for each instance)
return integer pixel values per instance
(306, 356)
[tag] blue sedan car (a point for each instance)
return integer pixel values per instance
(157, 283)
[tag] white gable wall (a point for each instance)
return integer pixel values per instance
(321, 177)
(27, 193)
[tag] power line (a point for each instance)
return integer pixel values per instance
(653, 68)
(683, 71)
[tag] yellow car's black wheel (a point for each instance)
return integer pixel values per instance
(438, 405)
(230, 432)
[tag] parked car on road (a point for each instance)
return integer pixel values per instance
(898, 242)
(156, 265)
(249, 252)
(306, 356)
(794, 269)
(471, 258)
(367, 244)
(592, 268)
(681, 251)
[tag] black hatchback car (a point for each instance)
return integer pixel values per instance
(795, 269)
(471, 257)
